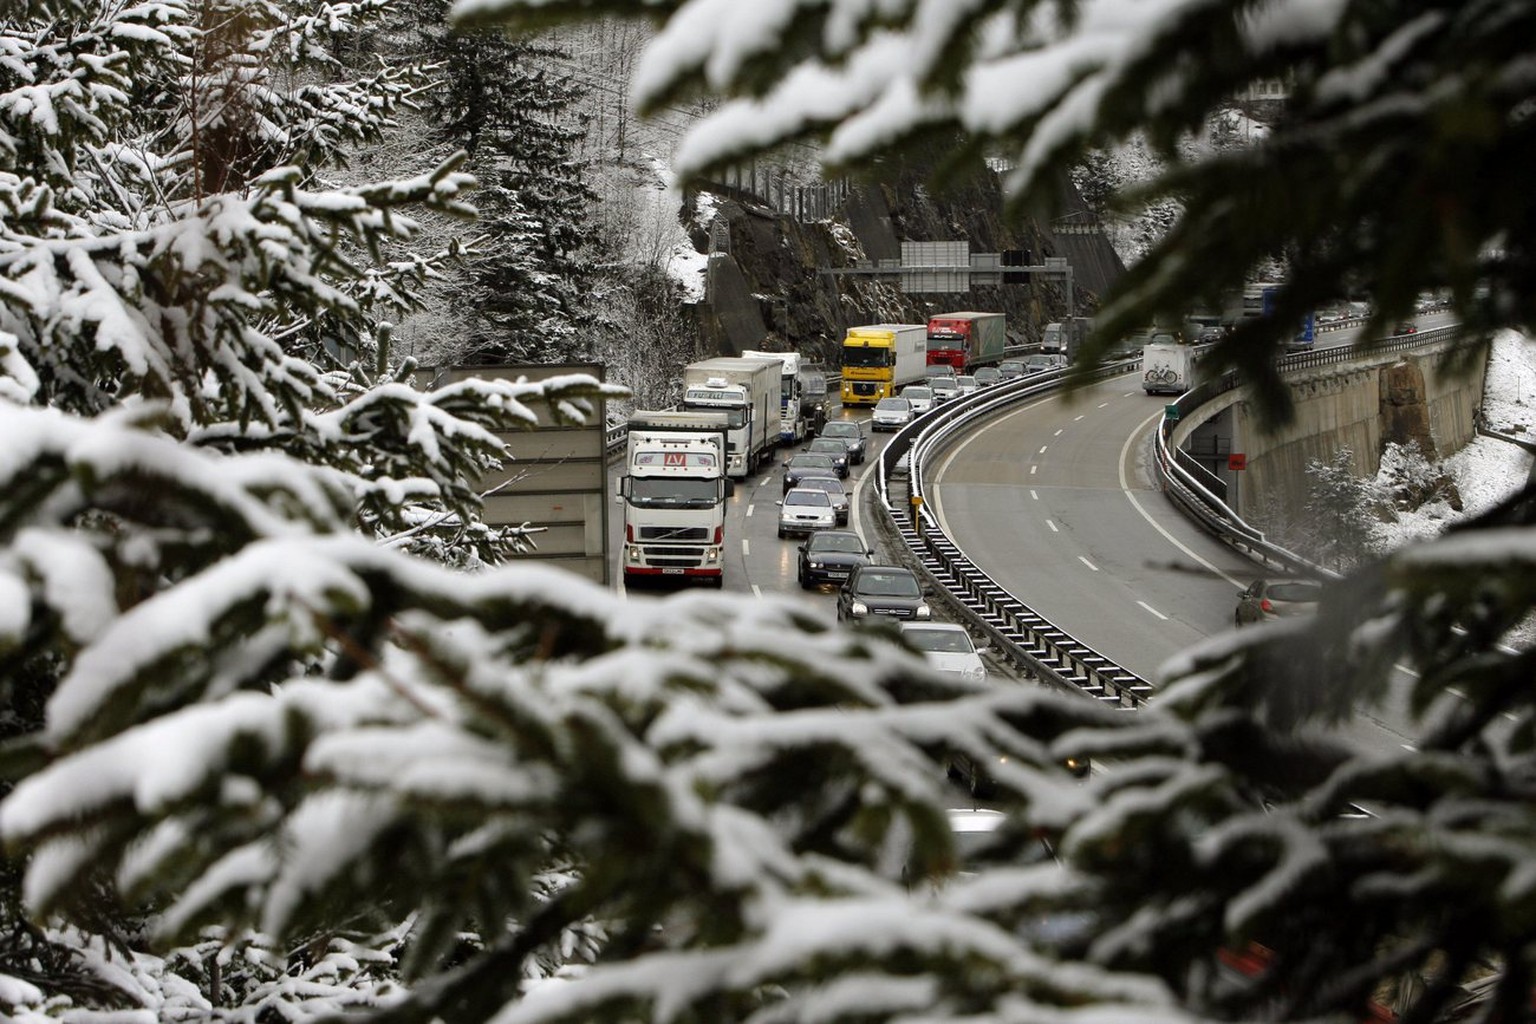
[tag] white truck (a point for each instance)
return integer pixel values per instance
(747, 391)
(673, 491)
(793, 420)
(1167, 368)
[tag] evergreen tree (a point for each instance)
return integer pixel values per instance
(1398, 167)
(505, 102)
(166, 241)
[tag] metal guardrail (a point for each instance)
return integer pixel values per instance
(1190, 486)
(1024, 636)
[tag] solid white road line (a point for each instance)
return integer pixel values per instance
(1125, 487)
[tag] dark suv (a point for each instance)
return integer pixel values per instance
(885, 590)
(851, 434)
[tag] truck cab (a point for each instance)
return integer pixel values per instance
(673, 491)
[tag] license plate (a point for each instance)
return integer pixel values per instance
(671, 572)
(837, 575)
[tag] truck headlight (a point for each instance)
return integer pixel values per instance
(711, 554)
(634, 554)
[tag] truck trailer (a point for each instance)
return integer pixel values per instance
(747, 391)
(966, 340)
(880, 359)
(793, 419)
(673, 491)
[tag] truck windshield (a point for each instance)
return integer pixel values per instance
(863, 356)
(814, 385)
(736, 414)
(672, 492)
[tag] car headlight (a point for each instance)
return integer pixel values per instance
(859, 608)
(923, 611)
(816, 565)
(975, 672)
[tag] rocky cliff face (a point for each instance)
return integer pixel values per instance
(771, 280)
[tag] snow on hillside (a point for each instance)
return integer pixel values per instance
(1487, 470)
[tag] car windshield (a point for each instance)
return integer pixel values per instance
(1007, 368)
(966, 381)
(916, 394)
(827, 484)
(889, 584)
(844, 542)
(850, 430)
(831, 446)
(807, 496)
(893, 405)
(810, 461)
(941, 641)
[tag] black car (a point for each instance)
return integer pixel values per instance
(802, 463)
(885, 590)
(852, 435)
(833, 449)
(977, 779)
(830, 555)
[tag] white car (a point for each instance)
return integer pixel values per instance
(944, 388)
(921, 397)
(947, 647)
(968, 384)
(805, 510)
(891, 414)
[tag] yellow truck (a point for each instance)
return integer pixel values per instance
(880, 359)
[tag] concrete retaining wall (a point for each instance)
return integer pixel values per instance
(1356, 405)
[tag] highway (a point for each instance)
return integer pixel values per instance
(1055, 500)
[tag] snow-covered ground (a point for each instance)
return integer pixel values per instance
(1486, 471)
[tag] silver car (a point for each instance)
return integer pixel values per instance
(804, 511)
(921, 397)
(891, 414)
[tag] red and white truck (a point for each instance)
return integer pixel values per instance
(673, 491)
(966, 340)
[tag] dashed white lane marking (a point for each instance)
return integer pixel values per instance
(1032, 470)
(1154, 611)
(1052, 526)
(1076, 418)
(757, 591)
(1058, 433)
(1089, 564)
(749, 510)
(1128, 394)
(1103, 405)
(1043, 448)
(746, 547)
(1033, 496)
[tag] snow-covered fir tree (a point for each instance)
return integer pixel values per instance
(509, 105)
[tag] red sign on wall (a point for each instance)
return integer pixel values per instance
(1237, 461)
